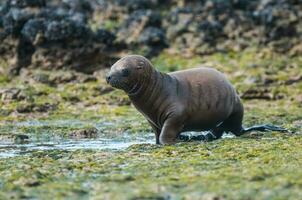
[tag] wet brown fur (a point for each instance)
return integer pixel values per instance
(197, 99)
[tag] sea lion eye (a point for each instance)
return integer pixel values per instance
(125, 72)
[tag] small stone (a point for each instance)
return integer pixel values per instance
(84, 133)
(104, 90)
(20, 138)
(44, 107)
(5, 112)
(25, 108)
(11, 94)
(42, 78)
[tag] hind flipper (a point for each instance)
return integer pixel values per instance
(264, 128)
(208, 137)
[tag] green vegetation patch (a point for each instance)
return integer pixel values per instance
(257, 165)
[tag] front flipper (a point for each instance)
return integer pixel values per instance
(156, 131)
(170, 131)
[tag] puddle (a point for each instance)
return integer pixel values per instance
(47, 140)
(43, 142)
(11, 149)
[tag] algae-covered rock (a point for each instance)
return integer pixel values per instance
(33, 107)
(51, 31)
(10, 94)
(84, 133)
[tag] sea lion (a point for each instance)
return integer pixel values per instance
(198, 99)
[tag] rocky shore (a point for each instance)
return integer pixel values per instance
(89, 35)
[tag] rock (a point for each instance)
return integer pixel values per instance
(11, 94)
(101, 90)
(32, 107)
(86, 78)
(33, 30)
(5, 112)
(26, 3)
(46, 107)
(25, 108)
(14, 21)
(211, 30)
(45, 32)
(78, 6)
(20, 138)
(293, 80)
(42, 78)
(260, 93)
(67, 33)
(153, 36)
(105, 37)
(73, 99)
(133, 5)
(66, 30)
(135, 24)
(62, 77)
(84, 133)
(142, 30)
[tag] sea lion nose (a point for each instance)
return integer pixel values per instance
(108, 78)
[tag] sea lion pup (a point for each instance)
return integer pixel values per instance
(199, 99)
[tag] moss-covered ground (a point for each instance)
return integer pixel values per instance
(254, 166)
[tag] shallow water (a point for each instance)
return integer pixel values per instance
(45, 141)
(12, 149)
(48, 140)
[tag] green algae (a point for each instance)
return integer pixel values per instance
(254, 166)
(239, 168)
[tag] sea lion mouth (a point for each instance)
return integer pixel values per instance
(115, 84)
(119, 85)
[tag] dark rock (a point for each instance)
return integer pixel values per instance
(20, 138)
(279, 19)
(103, 90)
(32, 107)
(293, 80)
(25, 108)
(153, 36)
(211, 30)
(80, 6)
(33, 29)
(86, 78)
(143, 17)
(26, 3)
(45, 32)
(46, 107)
(71, 98)
(11, 94)
(58, 34)
(105, 37)
(14, 21)
(141, 28)
(65, 30)
(63, 77)
(260, 93)
(5, 112)
(42, 78)
(133, 5)
(60, 13)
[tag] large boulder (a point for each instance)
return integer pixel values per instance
(53, 35)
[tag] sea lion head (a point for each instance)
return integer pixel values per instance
(128, 72)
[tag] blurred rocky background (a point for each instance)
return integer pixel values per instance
(86, 35)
